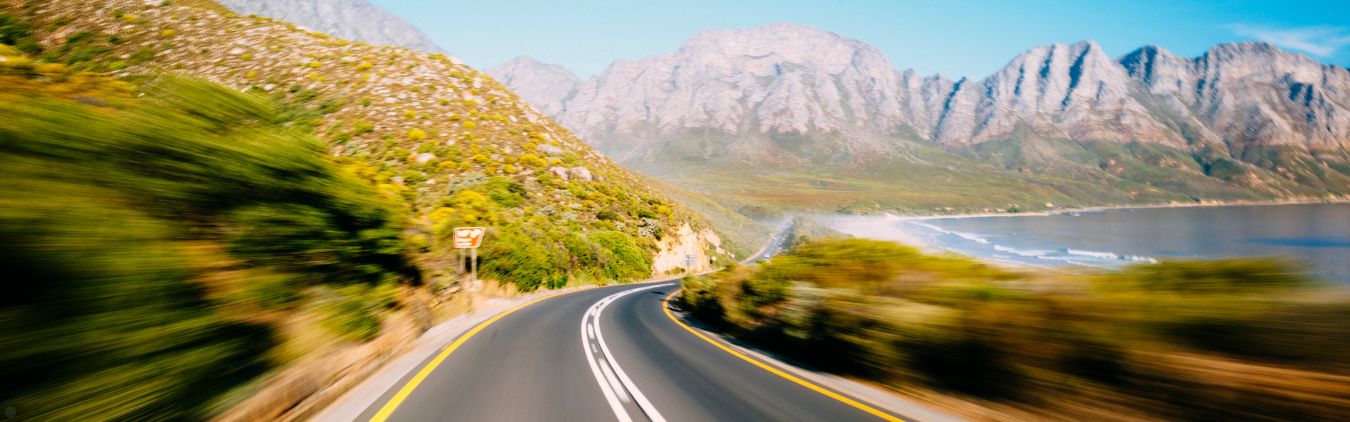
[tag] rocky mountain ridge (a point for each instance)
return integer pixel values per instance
(1275, 122)
(550, 85)
(356, 20)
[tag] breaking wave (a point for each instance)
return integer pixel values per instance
(1065, 255)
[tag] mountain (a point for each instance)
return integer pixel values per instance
(1243, 121)
(1252, 93)
(1075, 91)
(449, 144)
(356, 20)
(780, 79)
(546, 86)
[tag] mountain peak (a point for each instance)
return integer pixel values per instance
(546, 86)
(1245, 47)
(529, 63)
(770, 31)
(357, 20)
(1073, 49)
(781, 42)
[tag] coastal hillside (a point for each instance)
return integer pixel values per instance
(833, 121)
(451, 144)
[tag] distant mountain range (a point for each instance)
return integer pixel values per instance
(1242, 121)
(356, 20)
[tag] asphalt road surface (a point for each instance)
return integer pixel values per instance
(612, 353)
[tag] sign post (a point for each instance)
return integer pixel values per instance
(470, 238)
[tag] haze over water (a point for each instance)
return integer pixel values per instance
(1318, 234)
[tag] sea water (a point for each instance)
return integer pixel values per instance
(1316, 234)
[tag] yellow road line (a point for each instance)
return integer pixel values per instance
(426, 371)
(804, 383)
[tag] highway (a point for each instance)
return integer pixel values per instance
(603, 354)
(776, 243)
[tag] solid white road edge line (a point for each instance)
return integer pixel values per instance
(642, 402)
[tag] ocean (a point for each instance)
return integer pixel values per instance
(1316, 234)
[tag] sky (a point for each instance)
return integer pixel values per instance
(953, 38)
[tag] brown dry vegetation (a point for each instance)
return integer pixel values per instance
(1204, 340)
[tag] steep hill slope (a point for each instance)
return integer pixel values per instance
(156, 262)
(457, 148)
(356, 20)
(1244, 121)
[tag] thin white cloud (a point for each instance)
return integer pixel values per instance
(1320, 41)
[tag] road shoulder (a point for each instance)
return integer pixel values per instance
(871, 395)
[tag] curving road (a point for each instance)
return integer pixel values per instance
(610, 353)
(551, 361)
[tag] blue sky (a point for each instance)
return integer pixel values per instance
(966, 38)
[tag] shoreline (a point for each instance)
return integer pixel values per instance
(1202, 204)
(907, 229)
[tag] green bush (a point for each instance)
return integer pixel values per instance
(120, 217)
(620, 257)
(505, 191)
(1238, 275)
(13, 31)
(513, 257)
(700, 295)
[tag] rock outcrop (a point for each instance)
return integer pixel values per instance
(685, 252)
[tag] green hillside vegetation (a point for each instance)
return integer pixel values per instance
(449, 143)
(155, 233)
(921, 178)
(1199, 340)
(1152, 173)
(743, 227)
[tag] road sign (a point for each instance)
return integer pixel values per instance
(469, 237)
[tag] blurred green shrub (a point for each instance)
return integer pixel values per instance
(353, 311)
(1238, 275)
(511, 255)
(112, 309)
(884, 311)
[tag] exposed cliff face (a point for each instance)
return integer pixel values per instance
(689, 251)
(1070, 91)
(356, 20)
(780, 79)
(789, 96)
(1252, 94)
(795, 79)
